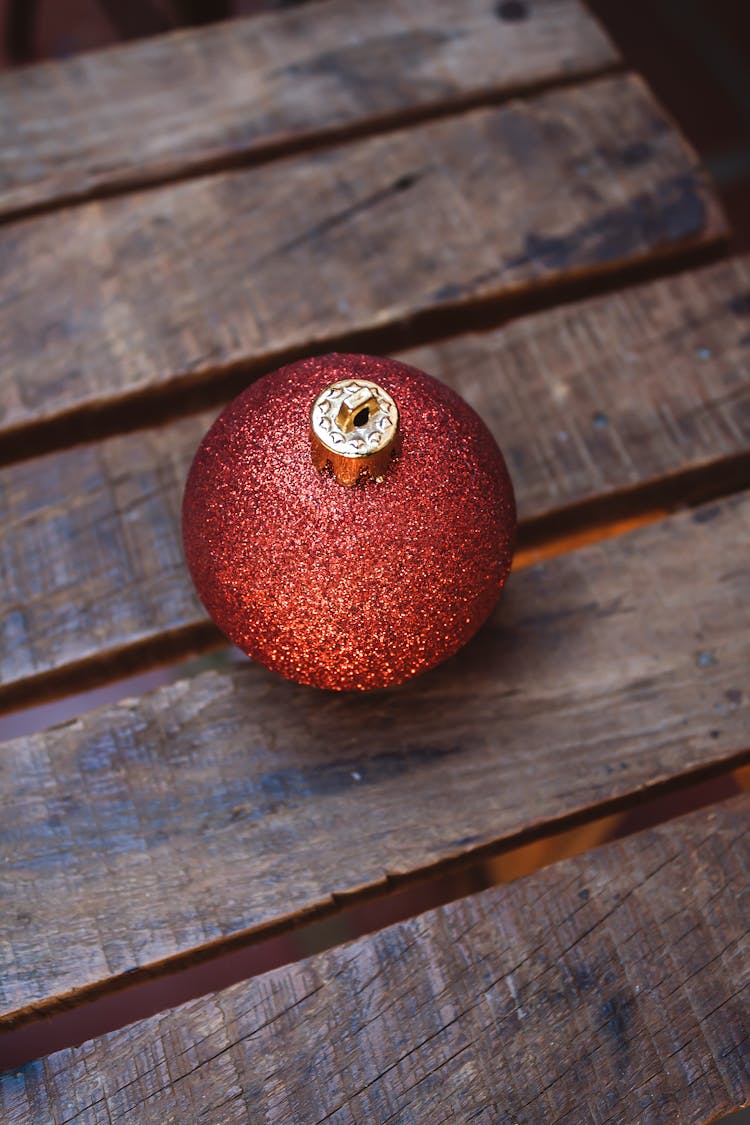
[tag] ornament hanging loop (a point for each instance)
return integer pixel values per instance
(354, 428)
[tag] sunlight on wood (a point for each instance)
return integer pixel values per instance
(528, 556)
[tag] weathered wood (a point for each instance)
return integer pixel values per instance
(611, 987)
(613, 394)
(158, 292)
(91, 559)
(181, 103)
(600, 407)
(231, 803)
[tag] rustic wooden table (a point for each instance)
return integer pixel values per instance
(482, 189)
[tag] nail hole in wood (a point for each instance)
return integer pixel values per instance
(512, 11)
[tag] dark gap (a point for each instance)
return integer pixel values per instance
(189, 393)
(361, 418)
(71, 1019)
(271, 150)
(102, 667)
(683, 489)
(512, 11)
(403, 183)
(60, 710)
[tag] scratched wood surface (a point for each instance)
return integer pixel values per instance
(414, 174)
(158, 292)
(632, 399)
(235, 801)
(181, 103)
(612, 987)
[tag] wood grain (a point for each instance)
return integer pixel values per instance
(162, 291)
(91, 562)
(602, 408)
(181, 103)
(611, 987)
(169, 827)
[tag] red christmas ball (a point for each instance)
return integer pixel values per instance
(352, 545)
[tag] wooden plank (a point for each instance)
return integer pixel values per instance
(92, 573)
(242, 91)
(198, 817)
(159, 292)
(603, 408)
(613, 986)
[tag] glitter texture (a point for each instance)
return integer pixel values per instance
(348, 588)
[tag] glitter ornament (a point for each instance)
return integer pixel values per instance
(349, 521)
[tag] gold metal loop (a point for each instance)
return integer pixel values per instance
(353, 428)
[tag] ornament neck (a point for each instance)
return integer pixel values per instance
(354, 426)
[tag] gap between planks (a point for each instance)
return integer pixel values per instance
(187, 395)
(332, 138)
(91, 1012)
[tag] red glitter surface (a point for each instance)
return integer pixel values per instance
(348, 588)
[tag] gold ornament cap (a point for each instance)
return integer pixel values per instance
(354, 429)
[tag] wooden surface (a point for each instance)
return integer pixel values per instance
(612, 987)
(232, 802)
(617, 403)
(141, 296)
(181, 215)
(182, 103)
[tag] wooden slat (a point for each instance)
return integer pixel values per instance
(92, 572)
(231, 803)
(594, 404)
(169, 289)
(612, 987)
(246, 89)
